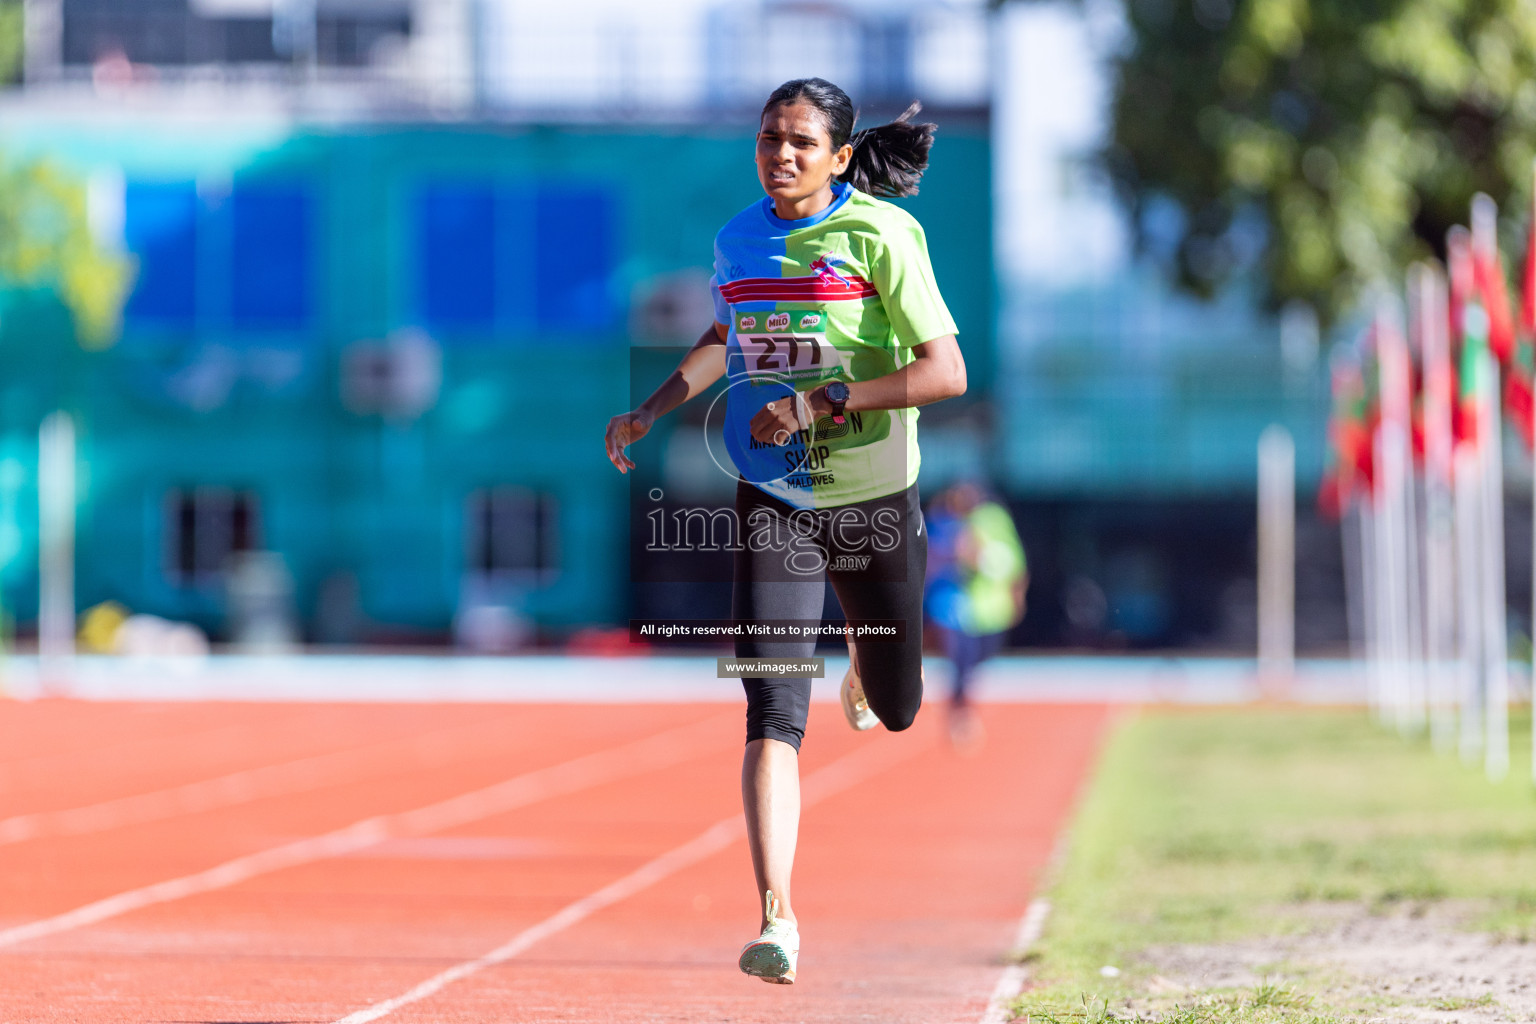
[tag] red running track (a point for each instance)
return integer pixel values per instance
(913, 869)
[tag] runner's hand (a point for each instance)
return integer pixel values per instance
(623, 430)
(776, 422)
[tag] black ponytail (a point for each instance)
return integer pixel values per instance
(890, 160)
(887, 161)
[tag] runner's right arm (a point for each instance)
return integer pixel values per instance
(702, 366)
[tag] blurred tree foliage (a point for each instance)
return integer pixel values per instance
(1347, 134)
(12, 35)
(46, 242)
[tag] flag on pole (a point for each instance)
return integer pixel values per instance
(1470, 329)
(1492, 291)
(1528, 279)
(1351, 429)
(1437, 377)
(1520, 377)
(1464, 307)
(1520, 390)
(1474, 342)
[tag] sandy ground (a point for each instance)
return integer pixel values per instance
(1416, 963)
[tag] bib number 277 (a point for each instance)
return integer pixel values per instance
(780, 353)
(794, 345)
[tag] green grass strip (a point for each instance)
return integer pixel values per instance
(1206, 826)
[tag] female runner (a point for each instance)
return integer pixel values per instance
(831, 330)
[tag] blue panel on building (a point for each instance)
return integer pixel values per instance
(517, 283)
(573, 257)
(271, 263)
(456, 255)
(160, 229)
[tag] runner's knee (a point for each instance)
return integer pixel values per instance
(777, 709)
(896, 706)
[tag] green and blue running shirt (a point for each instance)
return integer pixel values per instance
(844, 294)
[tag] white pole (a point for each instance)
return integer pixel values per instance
(1485, 246)
(1432, 327)
(1533, 599)
(1396, 469)
(56, 548)
(1470, 588)
(1528, 326)
(1416, 682)
(1351, 527)
(1393, 593)
(1277, 557)
(1370, 579)
(1417, 700)
(1496, 661)
(43, 40)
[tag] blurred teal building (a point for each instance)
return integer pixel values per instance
(399, 261)
(386, 352)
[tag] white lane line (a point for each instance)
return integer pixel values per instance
(306, 773)
(835, 777)
(1011, 983)
(667, 748)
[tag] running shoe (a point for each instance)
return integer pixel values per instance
(855, 707)
(772, 956)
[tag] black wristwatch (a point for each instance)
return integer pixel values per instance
(837, 393)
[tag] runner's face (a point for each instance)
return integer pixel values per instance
(795, 159)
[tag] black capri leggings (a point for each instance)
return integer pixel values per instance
(875, 553)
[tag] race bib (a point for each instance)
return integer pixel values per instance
(787, 348)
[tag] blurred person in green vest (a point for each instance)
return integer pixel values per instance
(977, 577)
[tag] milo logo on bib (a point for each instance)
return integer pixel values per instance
(791, 348)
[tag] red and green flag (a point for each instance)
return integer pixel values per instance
(1520, 377)
(1492, 291)
(1351, 428)
(1469, 333)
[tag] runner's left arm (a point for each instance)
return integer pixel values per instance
(702, 366)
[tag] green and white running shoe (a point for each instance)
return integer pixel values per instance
(772, 956)
(855, 707)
